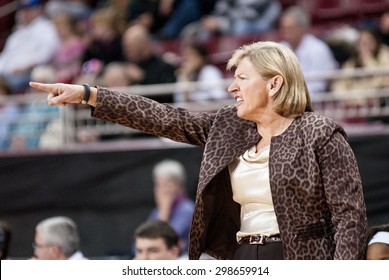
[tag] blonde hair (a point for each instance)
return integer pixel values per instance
(271, 59)
(69, 21)
(108, 17)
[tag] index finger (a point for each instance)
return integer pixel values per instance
(44, 87)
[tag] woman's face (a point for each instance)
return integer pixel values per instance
(192, 60)
(63, 29)
(250, 90)
(366, 44)
(101, 31)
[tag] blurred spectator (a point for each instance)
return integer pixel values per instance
(114, 75)
(34, 116)
(121, 8)
(314, 55)
(66, 62)
(165, 18)
(368, 53)
(104, 44)
(144, 66)
(341, 41)
(9, 113)
(57, 238)
(196, 67)
(32, 43)
(5, 239)
(156, 240)
(384, 28)
(75, 8)
(172, 204)
(236, 17)
(378, 243)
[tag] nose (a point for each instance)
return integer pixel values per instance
(233, 87)
(142, 256)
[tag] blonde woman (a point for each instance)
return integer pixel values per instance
(277, 181)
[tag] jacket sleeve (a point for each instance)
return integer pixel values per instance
(151, 117)
(344, 195)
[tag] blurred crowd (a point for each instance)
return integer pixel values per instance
(117, 43)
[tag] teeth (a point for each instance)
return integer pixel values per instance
(239, 99)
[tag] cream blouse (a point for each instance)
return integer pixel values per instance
(251, 189)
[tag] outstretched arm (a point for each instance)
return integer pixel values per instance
(61, 94)
(135, 111)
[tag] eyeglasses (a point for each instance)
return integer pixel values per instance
(39, 246)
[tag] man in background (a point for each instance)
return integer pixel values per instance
(314, 55)
(156, 240)
(143, 65)
(57, 238)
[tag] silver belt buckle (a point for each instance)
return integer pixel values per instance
(257, 239)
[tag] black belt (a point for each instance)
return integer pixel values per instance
(259, 239)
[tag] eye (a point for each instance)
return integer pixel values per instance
(241, 78)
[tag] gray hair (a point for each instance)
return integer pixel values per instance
(170, 169)
(60, 231)
(300, 16)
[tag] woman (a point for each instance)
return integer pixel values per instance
(196, 67)
(67, 58)
(369, 53)
(276, 180)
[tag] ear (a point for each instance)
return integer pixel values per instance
(175, 251)
(57, 252)
(275, 85)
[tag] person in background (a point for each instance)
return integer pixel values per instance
(104, 39)
(235, 17)
(75, 8)
(57, 238)
(383, 27)
(114, 75)
(143, 65)
(35, 116)
(156, 240)
(196, 67)
(164, 19)
(9, 114)
(378, 243)
(103, 44)
(172, 204)
(121, 8)
(5, 239)
(33, 43)
(65, 64)
(369, 53)
(67, 58)
(277, 181)
(314, 55)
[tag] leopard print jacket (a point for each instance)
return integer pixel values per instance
(314, 178)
